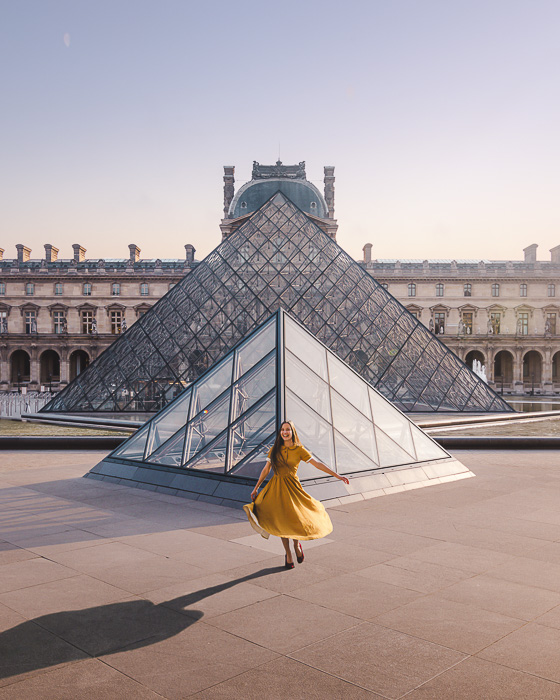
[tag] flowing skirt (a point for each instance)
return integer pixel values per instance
(284, 509)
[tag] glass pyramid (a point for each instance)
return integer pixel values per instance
(277, 258)
(226, 421)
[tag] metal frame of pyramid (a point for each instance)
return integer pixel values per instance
(213, 439)
(277, 258)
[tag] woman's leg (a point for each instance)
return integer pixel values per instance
(298, 549)
(286, 543)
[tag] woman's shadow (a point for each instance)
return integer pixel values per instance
(71, 635)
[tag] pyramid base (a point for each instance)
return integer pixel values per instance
(234, 492)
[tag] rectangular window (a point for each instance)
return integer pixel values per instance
(551, 290)
(2, 289)
(115, 289)
(29, 289)
(522, 290)
(3, 321)
(467, 290)
(144, 289)
(495, 322)
(58, 289)
(59, 321)
(439, 290)
(550, 326)
(87, 321)
(87, 289)
(523, 323)
(468, 322)
(116, 322)
(439, 322)
(495, 290)
(30, 322)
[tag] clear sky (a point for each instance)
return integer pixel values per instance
(440, 116)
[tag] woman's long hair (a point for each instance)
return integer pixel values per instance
(276, 458)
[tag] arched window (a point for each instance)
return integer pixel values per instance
(144, 289)
(523, 290)
(86, 289)
(58, 289)
(411, 289)
(439, 290)
(495, 290)
(551, 290)
(29, 289)
(115, 289)
(467, 290)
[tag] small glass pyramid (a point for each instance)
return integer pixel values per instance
(277, 258)
(225, 422)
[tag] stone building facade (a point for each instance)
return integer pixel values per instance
(58, 314)
(505, 314)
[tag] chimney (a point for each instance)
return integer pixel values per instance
(329, 189)
(23, 253)
(229, 190)
(1, 253)
(531, 253)
(367, 252)
(51, 253)
(134, 255)
(79, 253)
(190, 251)
(555, 254)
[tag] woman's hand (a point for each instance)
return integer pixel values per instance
(254, 493)
(343, 478)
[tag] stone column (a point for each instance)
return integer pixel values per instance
(329, 189)
(229, 189)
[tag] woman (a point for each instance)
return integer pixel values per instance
(283, 508)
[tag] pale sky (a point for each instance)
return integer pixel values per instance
(440, 116)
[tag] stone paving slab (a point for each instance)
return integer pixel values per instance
(451, 591)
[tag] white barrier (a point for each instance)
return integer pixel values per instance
(12, 405)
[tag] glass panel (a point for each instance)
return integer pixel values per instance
(253, 387)
(254, 465)
(251, 430)
(390, 454)
(306, 348)
(255, 348)
(315, 434)
(207, 425)
(349, 458)
(211, 386)
(213, 459)
(134, 447)
(391, 421)
(168, 423)
(352, 424)
(171, 452)
(307, 385)
(353, 388)
(426, 448)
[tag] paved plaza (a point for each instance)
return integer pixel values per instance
(110, 592)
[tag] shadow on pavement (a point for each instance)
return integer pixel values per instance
(72, 635)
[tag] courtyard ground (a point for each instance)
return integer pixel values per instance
(109, 592)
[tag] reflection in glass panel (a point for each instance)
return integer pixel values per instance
(254, 465)
(252, 430)
(255, 349)
(253, 387)
(353, 425)
(390, 454)
(426, 448)
(305, 348)
(207, 425)
(134, 447)
(168, 422)
(349, 385)
(212, 459)
(315, 434)
(393, 423)
(307, 385)
(211, 386)
(171, 452)
(349, 458)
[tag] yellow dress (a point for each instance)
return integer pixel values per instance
(283, 508)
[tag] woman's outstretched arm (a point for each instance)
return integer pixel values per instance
(323, 467)
(265, 472)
